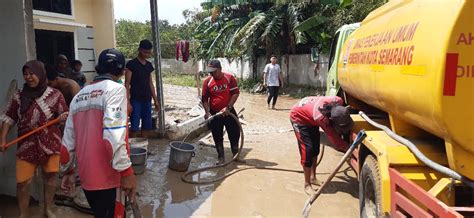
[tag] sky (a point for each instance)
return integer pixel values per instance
(139, 10)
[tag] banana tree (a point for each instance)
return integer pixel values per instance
(208, 4)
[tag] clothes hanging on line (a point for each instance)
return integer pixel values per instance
(182, 50)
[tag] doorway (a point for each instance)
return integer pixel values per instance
(49, 44)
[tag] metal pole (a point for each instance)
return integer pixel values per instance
(157, 57)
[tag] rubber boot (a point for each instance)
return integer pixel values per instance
(235, 150)
(220, 154)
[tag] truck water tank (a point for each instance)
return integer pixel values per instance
(415, 60)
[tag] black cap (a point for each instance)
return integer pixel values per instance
(111, 61)
(146, 44)
(213, 66)
(341, 119)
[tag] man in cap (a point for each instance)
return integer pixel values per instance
(219, 94)
(140, 88)
(306, 117)
(95, 139)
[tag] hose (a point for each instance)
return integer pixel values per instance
(185, 176)
(67, 201)
(433, 165)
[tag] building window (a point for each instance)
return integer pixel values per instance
(53, 6)
(49, 44)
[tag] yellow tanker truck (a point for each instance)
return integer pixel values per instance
(409, 66)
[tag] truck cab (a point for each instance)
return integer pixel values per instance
(339, 38)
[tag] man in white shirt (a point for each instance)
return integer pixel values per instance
(272, 80)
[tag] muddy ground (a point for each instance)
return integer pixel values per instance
(269, 142)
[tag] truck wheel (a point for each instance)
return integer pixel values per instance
(370, 193)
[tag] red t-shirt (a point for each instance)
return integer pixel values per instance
(306, 113)
(218, 92)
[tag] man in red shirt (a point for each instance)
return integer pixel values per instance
(306, 117)
(219, 94)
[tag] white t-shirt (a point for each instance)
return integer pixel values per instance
(272, 73)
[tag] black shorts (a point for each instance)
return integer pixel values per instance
(104, 203)
(308, 143)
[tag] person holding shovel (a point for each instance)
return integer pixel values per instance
(306, 117)
(95, 138)
(33, 106)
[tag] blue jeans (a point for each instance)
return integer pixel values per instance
(141, 110)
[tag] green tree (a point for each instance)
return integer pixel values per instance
(252, 30)
(130, 33)
(328, 18)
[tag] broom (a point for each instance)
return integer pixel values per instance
(52, 122)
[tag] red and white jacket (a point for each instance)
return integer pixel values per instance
(95, 136)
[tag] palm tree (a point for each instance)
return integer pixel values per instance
(217, 32)
(207, 4)
(274, 29)
(241, 30)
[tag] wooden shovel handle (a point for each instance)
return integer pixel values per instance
(52, 122)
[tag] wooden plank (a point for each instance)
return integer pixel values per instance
(408, 206)
(399, 214)
(464, 209)
(436, 206)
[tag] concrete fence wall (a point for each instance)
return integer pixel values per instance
(174, 66)
(301, 70)
(297, 70)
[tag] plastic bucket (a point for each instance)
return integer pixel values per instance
(180, 155)
(138, 157)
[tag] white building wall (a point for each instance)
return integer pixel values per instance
(17, 47)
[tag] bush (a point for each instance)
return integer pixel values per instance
(247, 84)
